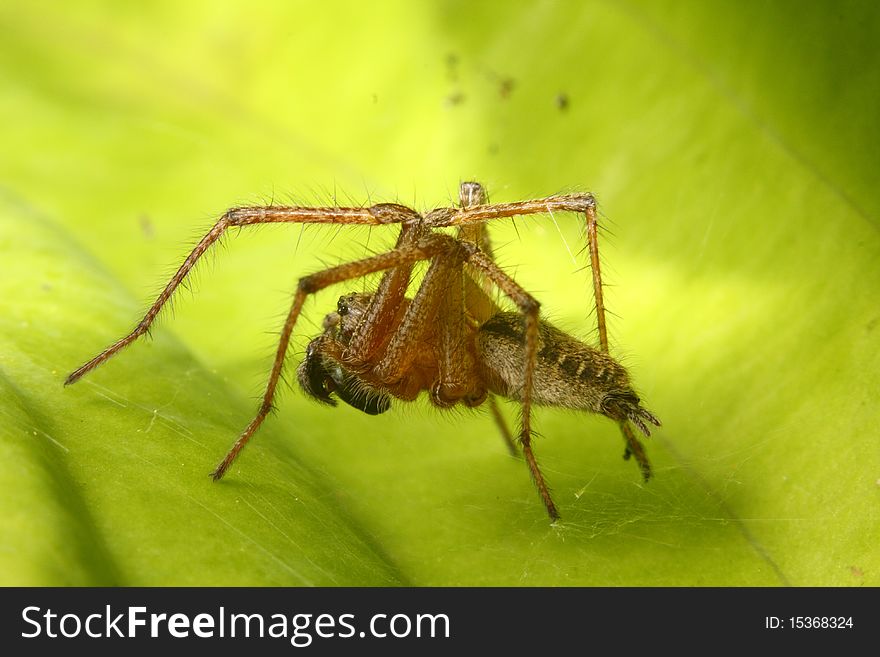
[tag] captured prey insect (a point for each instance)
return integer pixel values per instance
(450, 339)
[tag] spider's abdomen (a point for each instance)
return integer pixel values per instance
(568, 373)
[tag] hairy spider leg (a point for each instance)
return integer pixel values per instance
(581, 203)
(436, 312)
(502, 426)
(444, 251)
(380, 315)
(382, 214)
(398, 355)
(530, 308)
(634, 446)
(422, 312)
(398, 257)
(478, 291)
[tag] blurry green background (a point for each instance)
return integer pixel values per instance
(734, 148)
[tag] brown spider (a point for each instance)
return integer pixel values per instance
(450, 339)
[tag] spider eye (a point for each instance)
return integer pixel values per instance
(342, 306)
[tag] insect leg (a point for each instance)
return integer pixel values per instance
(309, 285)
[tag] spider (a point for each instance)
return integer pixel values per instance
(450, 339)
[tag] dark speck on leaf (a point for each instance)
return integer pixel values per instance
(562, 101)
(506, 87)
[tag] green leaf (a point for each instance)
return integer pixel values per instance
(733, 148)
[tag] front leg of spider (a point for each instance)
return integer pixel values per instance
(450, 340)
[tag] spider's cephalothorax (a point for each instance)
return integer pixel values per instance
(450, 338)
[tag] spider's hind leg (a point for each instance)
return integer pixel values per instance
(480, 212)
(529, 308)
(634, 447)
(502, 426)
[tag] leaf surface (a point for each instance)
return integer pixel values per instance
(733, 148)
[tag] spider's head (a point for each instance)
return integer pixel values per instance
(349, 311)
